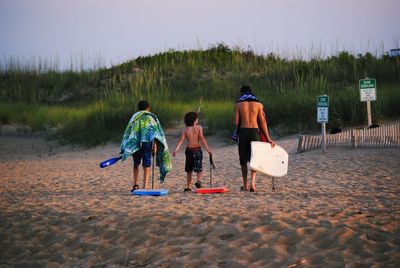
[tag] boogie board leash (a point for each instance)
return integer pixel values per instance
(212, 166)
(273, 184)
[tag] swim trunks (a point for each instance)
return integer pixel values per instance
(194, 158)
(246, 136)
(144, 154)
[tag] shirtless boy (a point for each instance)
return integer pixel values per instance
(193, 133)
(249, 118)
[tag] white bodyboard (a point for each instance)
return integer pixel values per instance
(267, 160)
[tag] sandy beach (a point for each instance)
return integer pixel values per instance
(58, 208)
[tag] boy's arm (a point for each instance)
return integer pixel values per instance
(236, 118)
(264, 126)
(203, 140)
(180, 141)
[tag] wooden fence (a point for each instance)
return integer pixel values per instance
(385, 136)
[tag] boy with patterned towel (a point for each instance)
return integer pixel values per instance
(142, 137)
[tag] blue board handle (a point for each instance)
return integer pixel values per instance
(110, 162)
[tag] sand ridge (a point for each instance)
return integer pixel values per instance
(58, 208)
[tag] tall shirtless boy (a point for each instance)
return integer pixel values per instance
(249, 118)
(193, 133)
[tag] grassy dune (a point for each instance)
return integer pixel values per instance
(92, 107)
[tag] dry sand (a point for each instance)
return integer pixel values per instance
(58, 208)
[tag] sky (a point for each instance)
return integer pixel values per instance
(108, 32)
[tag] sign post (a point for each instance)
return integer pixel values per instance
(367, 94)
(322, 117)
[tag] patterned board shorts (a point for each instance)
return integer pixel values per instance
(194, 158)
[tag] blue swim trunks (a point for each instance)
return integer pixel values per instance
(143, 154)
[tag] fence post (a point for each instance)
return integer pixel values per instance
(308, 143)
(300, 145)
(353, 139)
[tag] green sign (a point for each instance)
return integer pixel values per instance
(367, 89)
(322, 109)
(367, 83)
(323, 101)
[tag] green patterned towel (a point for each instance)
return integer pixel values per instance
(145, 127)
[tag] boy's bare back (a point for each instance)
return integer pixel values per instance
(249, 112)
(193, 135)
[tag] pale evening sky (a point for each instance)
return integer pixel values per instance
(112, 31)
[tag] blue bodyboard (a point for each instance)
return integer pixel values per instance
(153, 192)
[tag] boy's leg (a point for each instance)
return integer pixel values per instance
(198, 166)
(253, 181)
(189, 179)
(189, 161)
(199, 177)
(255, 137)
(146, 171)
(147, 147)
(244, 176)
(136, 175)
(243, 155)
(136, 162)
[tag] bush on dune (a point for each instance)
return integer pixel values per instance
(96, 105)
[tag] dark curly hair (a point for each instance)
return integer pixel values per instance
(190, 118)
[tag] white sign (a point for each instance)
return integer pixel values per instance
(368, 94)
(322, 115)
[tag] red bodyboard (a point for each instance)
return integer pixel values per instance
(215, 190)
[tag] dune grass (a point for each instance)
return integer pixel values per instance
(92, 107)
